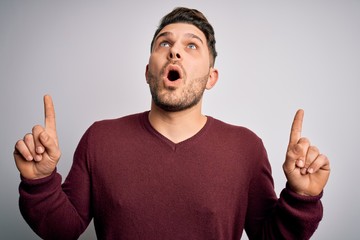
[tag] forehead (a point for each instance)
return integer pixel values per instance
(183, 29)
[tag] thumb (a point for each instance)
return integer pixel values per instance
(50, 145)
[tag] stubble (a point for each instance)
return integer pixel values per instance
(173, 99)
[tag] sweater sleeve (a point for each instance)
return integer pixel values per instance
(59, 211)
(291, 216)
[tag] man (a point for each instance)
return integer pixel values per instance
(171, 172)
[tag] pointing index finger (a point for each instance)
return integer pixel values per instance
(49, 111)
(296, 127)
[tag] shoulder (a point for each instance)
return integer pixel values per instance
(123, 125)
(128, 120)
(228, 130)
(235, 138)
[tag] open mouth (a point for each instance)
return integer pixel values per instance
(173, 72)
(173, 75)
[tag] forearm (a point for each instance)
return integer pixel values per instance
(298, 216)
(292, 216)
(48, 210)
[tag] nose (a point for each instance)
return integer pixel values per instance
(174, 55)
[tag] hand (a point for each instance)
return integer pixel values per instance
(37, 154)
(306, 169)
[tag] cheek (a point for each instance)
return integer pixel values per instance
(197, 64)
(197, 70)
(155, 63)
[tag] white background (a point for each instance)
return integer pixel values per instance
(274, 57)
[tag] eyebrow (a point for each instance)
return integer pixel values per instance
(188, 35)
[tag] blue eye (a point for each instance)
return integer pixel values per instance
(164, 44)
(192, 46)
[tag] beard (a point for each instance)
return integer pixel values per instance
(176, 99)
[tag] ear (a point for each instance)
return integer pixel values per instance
(213, 77)
(146, 73)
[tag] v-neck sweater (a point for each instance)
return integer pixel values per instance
(137, 184)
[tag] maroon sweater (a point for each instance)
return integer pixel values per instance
(137, 184)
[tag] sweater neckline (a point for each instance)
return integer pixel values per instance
(174, 146)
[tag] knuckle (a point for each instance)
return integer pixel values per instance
(18, 144)
(37, 128)
(314, 149)
(325, 158)
(44, 137)
(58, 155)
(298, 149)
(304, 141)
(28, 138)
(289, 154)
(19, 149)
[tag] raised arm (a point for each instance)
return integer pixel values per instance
(52, 209)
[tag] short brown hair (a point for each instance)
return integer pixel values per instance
(194, 17)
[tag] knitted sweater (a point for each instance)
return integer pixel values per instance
(137, 184)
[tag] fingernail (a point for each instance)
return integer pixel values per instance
(39, 150)
(300, 163)
(29, 158)
(310, 170)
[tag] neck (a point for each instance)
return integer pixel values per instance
(177, 126)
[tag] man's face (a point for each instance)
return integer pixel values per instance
(179, 67)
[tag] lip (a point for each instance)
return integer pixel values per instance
(167, 81)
